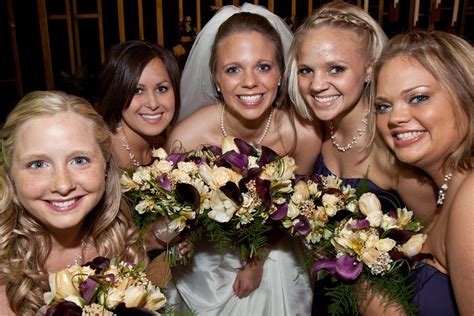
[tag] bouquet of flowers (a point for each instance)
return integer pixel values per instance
(102, 287)
(247, 186)
(350, 238)
(171, 188)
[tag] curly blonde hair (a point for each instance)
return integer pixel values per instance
(24, 242)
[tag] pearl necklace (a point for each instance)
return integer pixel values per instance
(124, 141)
(265, 131)
(444, 188)
(355, 139)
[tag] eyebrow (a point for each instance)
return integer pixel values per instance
(413, 88)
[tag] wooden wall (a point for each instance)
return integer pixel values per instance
(71, 37)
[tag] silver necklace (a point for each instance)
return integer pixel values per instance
(124, 142)
(355, 139)
(444, 188)
(265, 131)
(79, 256)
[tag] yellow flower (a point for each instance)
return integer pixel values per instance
(127, 183)
(179, 223)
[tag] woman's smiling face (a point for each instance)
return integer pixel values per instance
(58, 169)
(414, 115)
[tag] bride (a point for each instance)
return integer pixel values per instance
(232, 84)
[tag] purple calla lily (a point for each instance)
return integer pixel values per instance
(88, 288)
(163, 182)
(280, 213)
(263, 190)
(348, 267)
(188, 194)
(303, 226)
(401, 236)
(234, 160)
(64, 308)
(327, 264)
(244, 147)
(175, 158)
(359, 224)
(232, 191)
(268, 155)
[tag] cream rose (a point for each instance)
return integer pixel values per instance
(413, 245)
(228, 144)
(159, 153)
(222, 208)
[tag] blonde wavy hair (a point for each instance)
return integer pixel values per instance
(24, 242)
(450, 60)
(339, 15)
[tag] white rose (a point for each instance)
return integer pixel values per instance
(413, 245)
(293, 211)
(163, 166)
(188, 167)
(180, 176)
(330, 204)
(159, 153)
(222, 208)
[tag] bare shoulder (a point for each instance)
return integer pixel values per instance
(462, 208)
(196, 129)
(4, 305)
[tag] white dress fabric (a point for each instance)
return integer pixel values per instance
(206, 284)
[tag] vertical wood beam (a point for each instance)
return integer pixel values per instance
(121, 20)
(70, 37)
(43, 22)
(100, 23)
(198, 15)
(76, 33)
(141, 31)
(159, 22)
(16, 59)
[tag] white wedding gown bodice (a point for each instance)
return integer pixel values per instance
(205, 285)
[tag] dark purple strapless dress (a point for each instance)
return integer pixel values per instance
(434, 295)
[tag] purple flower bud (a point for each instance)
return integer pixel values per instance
(175, 158)
(327, 264)
(359, 224)
(303, 226)
(280, 213)
(88, 288)
(163, 182)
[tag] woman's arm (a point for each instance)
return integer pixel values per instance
(460, 246)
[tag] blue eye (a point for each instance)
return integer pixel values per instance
(80, 161)
(232, 70)
(419, 98)
(264, 67)
(304, 71)
(336, 69)
(37, 164)
(382, 107)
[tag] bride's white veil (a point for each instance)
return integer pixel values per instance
(197, 87)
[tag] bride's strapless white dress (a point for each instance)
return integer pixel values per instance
(206, 284)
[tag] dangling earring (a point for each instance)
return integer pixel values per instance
(279, 82)
(218, 89)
